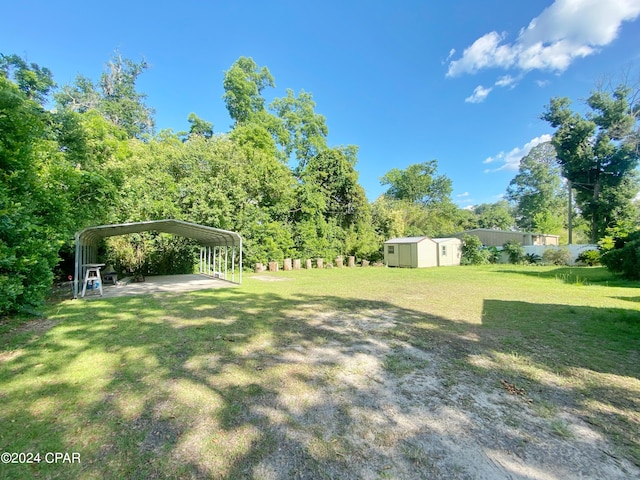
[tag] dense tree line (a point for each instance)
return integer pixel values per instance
(95, 158)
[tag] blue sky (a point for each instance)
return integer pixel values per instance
(463, 82)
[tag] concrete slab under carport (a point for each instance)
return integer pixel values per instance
(160, 284)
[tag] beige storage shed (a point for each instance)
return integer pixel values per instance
(421, 252)
(449, 251)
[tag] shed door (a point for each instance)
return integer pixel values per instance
(404, 255)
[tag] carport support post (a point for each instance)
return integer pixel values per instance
(77, 267)
(233, 264)
(226, 254)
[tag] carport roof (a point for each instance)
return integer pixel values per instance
(206, 235)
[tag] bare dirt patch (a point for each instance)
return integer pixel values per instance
(373, 405)
(38, 326)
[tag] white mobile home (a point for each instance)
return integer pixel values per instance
(497, 238)
(421, 252)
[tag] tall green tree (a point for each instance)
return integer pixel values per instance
(253, 126)
(597, 152)
(306, 131)
(332, 215)
(333, 174)
(121, 102)
(537, 192)
(418, 183)
(402, 218)
(115, 96)
(419, 201)
(34, 81)
(26, 253)
(243, 85)
(198, 126)
(45, 194)
(80, 96)
(495, 215)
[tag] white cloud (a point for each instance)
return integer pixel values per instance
(563, 32)
(452, 52)
(479, 95)
(464, 200)
(511, 160)
(498, 157)
(485, 52)
(506, 81)
(542, 83)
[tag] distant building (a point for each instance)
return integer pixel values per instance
(497, 238)
(421, 252)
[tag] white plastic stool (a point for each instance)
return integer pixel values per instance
(92, 268)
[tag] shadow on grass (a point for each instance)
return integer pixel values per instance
(556, 349)
(628, 299)
(230, 384)
(577, 276)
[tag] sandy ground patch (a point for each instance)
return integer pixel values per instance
(381, 408)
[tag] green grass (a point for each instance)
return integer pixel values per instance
(401, 363)
(201, 385)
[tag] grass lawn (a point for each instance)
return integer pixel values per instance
(460, 372)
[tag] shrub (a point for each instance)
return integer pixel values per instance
(532, 258)
(624, 257)
(473, 253)
(559, 256)
(515, 250)
(589, 257)
(493, 254)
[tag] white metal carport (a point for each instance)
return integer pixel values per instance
(213, 240)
